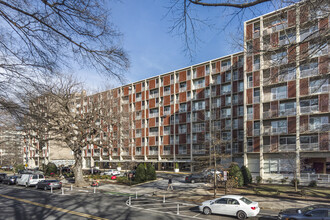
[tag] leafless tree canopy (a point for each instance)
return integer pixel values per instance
(41, 37)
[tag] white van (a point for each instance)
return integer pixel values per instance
(29, 179)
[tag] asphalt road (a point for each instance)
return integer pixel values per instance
(21, 203)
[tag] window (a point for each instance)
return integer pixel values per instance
(188, 74)
(256, 96)
(319, 86)
(138, 151)
(153, 150)
(167, 110)
(228, 100)
(138, 115)
(287, 108)
(279, 126)
(309, 69)
(309, 105)
(279, 93)
(225, 65)
(279, 58)
(235, 123)
(235, 99)
(183, 87)
(153, 112)
(138, 96)
(287, 74)
(182, 149)
(207, 69)
(167, 150)
(199, 127)
(288, 140)
(228, 76)
(240, 86)
(182, 129)
(250, 81)
(167, 130)
(256, 63)
(183, 107)
(226, 136)
(167, 90)
(225, 89)
(153, 131)
(199, 105)
(249, 113)
(138, 133)
(198, 149)
(226, 112)
(320, 123)
(200, 83)
(153, 93)
(240, 134)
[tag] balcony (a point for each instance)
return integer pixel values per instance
(249, 116)
(256, 66)
(287, 148)
(319, 127)
(287, 112)
(309, 72)
(269, 114)
(138, 153)
(256, 34)
(250, 84)
(268, 130)
(225, 68)
(182, 89)
(225, 116)
(309, 109)
(256, 132)
(309, 147)
(275, 27)
(256, 99)
(153, 152)
(166, 152)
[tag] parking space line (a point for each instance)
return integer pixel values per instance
(54, 208)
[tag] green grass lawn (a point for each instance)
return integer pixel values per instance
(285, 191)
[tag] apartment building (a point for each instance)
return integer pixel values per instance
(287, 87)
(11, 146)
(174, 116)
(269, 105)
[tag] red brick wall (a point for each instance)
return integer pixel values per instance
(256, 144)
(249, 64)
(291, 125)
(249, 31)
(304, 86)
(249, 95)
(256, 78)
(292, 17)
(249, 128)
(324, 102)
(291, 89)
(182, 76)
(256, 111)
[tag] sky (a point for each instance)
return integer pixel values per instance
(153, 50)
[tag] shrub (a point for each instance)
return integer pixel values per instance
(140, 175)
(235, 173)
(283, 181)
(303, 192)
(150, 172)
(312, 183)
(293, 180)
(258, 180)
(247, 177)
(50, 168)
(269, 180)
(257, 191)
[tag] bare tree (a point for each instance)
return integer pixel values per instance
(71, 119)
(43, 37)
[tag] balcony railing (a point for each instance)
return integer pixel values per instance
(309, 109)
(269, 114)
(274, 130)
(319, 127)
(287, 112)
(309, 147)
(256, 66)
(287, 148)
(256, 132)
(250, 116)
(256, 99)
(153, 152)
(250, 84)
(309, 72)
(225, 68)
(166, 152)
(138, 153)
(256, 34)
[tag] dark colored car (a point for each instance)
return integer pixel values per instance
(2, 176)
(48, 184)
(314, 212)
(9, 180)
(194, 178)
(66, 170)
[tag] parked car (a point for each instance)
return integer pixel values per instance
(29, 179)
(48, 184)
(233, 205)
(2, 176)
(112, 172)
(9, 180)
(197, 177)
(66, 170)
(315, 212)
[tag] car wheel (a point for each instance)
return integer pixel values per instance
(192, 181)
(8, 183)
(36, 186)
(26, 185)
(207, 211)
(241, 215)
(45, 188)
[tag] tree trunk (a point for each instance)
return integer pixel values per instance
(78, 174)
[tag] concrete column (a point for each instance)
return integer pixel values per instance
(261, 158)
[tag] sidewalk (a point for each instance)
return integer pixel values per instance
(198, 195)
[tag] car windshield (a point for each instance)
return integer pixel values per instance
(308, 208)
(245, 200)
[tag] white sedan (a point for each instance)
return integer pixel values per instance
(112, 172)
(233, 205)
